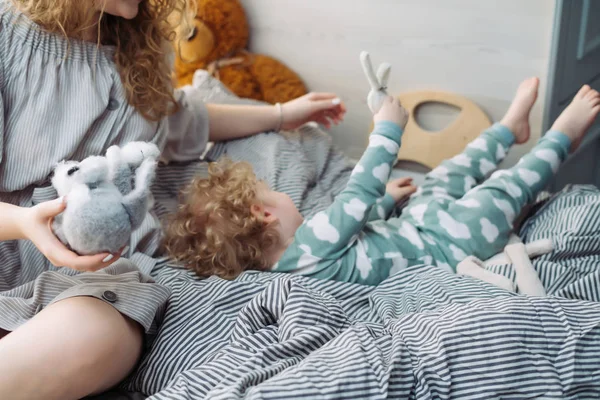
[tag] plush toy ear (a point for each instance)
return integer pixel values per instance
(134, 153)
(93, 170)
(383, 75)
(365, 59)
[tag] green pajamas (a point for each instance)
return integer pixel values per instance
(449, 217)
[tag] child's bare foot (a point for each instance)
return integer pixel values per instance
(575, 120)
(517, 117)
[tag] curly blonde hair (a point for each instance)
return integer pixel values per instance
(214, 231)
(142, 44)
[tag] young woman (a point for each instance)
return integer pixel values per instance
(77, 76)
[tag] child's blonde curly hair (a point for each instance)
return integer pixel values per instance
(214, 231)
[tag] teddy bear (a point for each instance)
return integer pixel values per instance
(107, 197)
(218, 43)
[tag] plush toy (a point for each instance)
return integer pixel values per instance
(515, 253)
(107, 197)
(218, 43)
(378, 82)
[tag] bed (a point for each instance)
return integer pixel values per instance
(423, 333)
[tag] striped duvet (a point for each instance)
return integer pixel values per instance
(422, 334)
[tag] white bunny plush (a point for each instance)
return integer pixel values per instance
(517, 254)
(378, 82)
(107, 197)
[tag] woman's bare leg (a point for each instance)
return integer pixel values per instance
(73, 348)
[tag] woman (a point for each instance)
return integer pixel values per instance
(77, 76)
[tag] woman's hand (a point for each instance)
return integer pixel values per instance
(35, 224)
(400, 189)
(323, 108)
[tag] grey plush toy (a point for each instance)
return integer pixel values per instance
(107, 197)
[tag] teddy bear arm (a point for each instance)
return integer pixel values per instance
(136, 202)
(278, 83)
(240, 80)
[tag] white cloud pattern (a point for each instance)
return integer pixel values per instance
(489, 231)
(486, 166)
(457, 252)
(411, 234)
(550, 157)
(398, 262)
(454, 228)
(381, 141)
(468, 203)
(500, 153)
(463, 160)
(322, 229)
(507, 209)
(529, 177)
(381, 229)
(358, 169)
(479, 143)
(382, 172)
(356, 209)
(418, 213)
(307, 262)
(441, 173)
(363, 264)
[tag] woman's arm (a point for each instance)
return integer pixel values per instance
(9, 222)
(197, 123)
(228, 122)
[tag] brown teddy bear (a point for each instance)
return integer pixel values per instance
(218, 42)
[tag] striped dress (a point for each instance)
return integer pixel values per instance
(64, 100)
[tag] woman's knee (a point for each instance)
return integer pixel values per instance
(87, 344)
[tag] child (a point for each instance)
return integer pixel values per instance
(230, 222)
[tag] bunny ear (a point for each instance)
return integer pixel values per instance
(383, 75)
(369, 71)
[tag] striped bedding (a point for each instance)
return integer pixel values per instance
(422, 334)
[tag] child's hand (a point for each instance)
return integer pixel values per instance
(324, 108)
(391, 110)
(400, 189)
(35, 225)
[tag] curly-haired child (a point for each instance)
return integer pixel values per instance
(230, 222)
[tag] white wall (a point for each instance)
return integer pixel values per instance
(478, 48)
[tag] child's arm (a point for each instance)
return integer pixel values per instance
(329, 233)
(382, 208)
(395, 191)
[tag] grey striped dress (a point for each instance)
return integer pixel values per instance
(64, 100)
